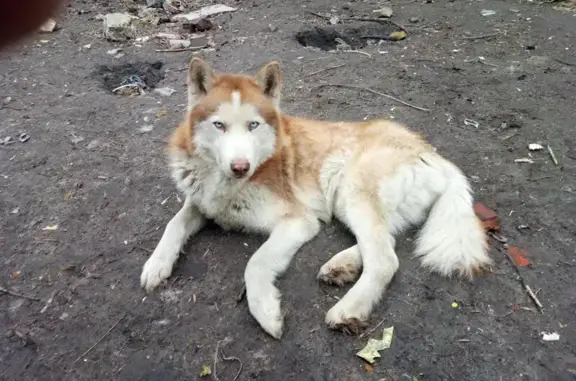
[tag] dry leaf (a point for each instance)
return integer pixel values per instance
(206, 371)
(519, 256)
(397, 36)
(370, 351)
(368, 368)
(488, 217)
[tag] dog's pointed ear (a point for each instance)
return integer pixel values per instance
(200, 78)
(270, 80)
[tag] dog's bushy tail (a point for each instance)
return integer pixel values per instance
(452, 238)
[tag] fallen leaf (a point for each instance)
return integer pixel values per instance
(161, 114)
(370, 351)
(50, 228)
(519, 256)
(454, 305)
(397, 36)
(368, 368)
(488, 217)
(15, 275)
(68, 196)
(206, 371)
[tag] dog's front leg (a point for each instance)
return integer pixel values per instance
(187, 222)
(269, 261)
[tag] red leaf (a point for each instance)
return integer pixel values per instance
(519, 256)
(488, 217)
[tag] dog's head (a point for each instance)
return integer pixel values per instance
(234, 118)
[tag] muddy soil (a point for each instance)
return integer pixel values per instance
(98, 181)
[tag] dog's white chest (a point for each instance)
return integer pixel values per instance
(230, 203)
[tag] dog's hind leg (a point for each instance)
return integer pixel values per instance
(342, 268)
(187, 222)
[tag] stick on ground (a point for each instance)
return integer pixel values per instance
(374, 92)
(523, 282)
(481, 36)
(552, 155)
(386, 21)
(373, 329)
(533, 296)
(355, 51)
(325, 69)
(17, 295)
(230, 358)
(100, 340)
(191, 49)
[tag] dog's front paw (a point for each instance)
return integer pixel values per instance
(347, 319)
(264, 305)
(156, 270)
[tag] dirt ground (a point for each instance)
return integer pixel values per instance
(90, 170)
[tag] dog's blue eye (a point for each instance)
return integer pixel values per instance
(253, 125)
(219, 125)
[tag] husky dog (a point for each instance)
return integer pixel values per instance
(244, 164)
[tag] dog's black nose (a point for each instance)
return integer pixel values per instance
(240, 167)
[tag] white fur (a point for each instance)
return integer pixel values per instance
(271, 260)
(377, 191)
(187, 222)
(236, 141)
(343, 267)
(451, 239)
(236, 101)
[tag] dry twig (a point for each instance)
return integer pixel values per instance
(325, 69)
(374, 92)
(319, 15)
(523, 283)
(190, 49)
(17, 295)
(552, 155)
(533, 297)
(356, 51)
(373, 329)
(370, 19)
(231, 358)
(481, 36)
(100, 340)
(387, 21)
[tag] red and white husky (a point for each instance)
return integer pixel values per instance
(244, 164)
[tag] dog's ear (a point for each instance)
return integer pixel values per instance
(200, 78)
(270, 80)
